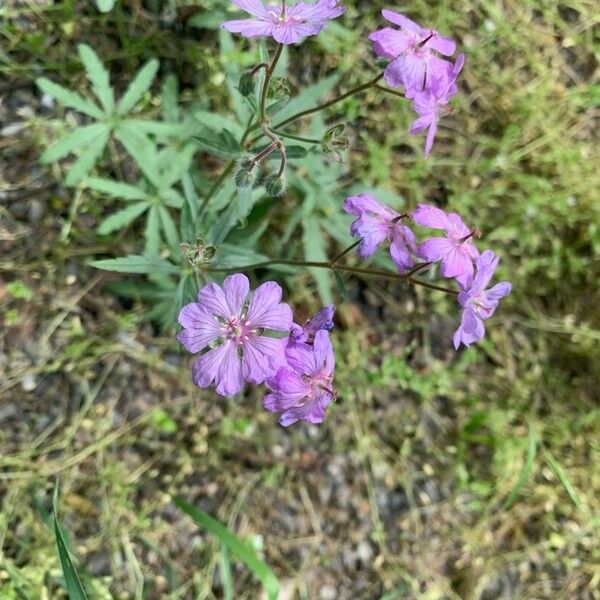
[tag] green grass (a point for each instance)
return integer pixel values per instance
(487, 458)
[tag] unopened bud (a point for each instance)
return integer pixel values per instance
(198, 254)
(247, 84)
(275, 185)
(246, 172)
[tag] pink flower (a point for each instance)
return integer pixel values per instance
(376, 224)
(432, 103)
(305, 334)
(304, 389)
(456, 250)
(477, 302)
(412, 51)
(286, 26)
(230, 330)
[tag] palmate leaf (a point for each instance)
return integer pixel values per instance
(239, 548)
(116, 189)
(83, 165)
(72, 581)
(152, 232)
(69, 99)
(143, 265)
(161, 129)
(98, 77)
(237, 210)
(140, 149)
(138, 87)
(122, 218)
(223, 145)
(78, 138)
(168, 226)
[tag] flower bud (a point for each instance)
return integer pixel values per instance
(198, 254)
(275, 185)
(247, 84)
(245, 175)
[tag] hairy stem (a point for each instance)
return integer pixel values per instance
(268, 76)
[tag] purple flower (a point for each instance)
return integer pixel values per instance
(456, 250)
(377, 223)
(286, 25)
(412, 51)
(305, 334)
(432, 103)
(303, 389)
(477, 302)
(230, 328)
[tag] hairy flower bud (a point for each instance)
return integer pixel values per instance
(198, 254)
(275, 185)
(245, 175)
(335, 142)
(247, 84)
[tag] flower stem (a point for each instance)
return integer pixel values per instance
(335, 267)
(268, 75)
(346, 251)
(297, 137)
(310, 111)
(389, 91)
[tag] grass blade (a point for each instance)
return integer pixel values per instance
(235, 545)
(72, 580)
(562, 476)
(527, 469)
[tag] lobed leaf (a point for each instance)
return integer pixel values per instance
(144, 265)
(82, 136)
(98, 77)
(138, 87)
(83, 165)
(122, 218)
(70, 99)
(116, 189)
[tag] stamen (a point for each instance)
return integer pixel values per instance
(423, 42)
(475, 232)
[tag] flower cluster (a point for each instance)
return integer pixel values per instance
(454, 250)
(429, 81)
(236, 334)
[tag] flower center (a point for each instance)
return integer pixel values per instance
(479, 304)
(237, 329)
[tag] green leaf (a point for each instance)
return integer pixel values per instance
(116, 189)
(225, 570)
(83, 165)
(170, 98)
(98, 77)
(238, 209)
(122, 218)
(340, 284)
(73, 583)
(527, 469)
(562, 476)
(291, 153)
(78, 138)
(141, 149)
(160, 129)
(151, 233)
(178, 164)
(105, 5)
(70, 99)
(223, 146)
(208, 19)
(138, 87)
(314, 251)
(145, 265)
(217, 122)
(168, 226)
(237, 546)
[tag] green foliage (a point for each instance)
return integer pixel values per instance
(237, 546)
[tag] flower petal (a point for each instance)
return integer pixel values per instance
(262, 357)
(358, 205)
(236, 288)
(430, 216)
(249, 27)
(324, 356)
(389, 43)
(211, 298)
(267, 311)
(435, 249)
(401, 21)
(291, 32)
(401, 255)
(200, 328)
(322, 10)
(254, 7)
(206, 367)
(229, 379)
(441, 44)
